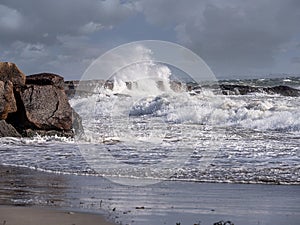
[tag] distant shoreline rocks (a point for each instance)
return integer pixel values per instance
(35, 104)
(88, 87)
(230, 89)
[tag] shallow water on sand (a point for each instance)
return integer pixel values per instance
(167, 202)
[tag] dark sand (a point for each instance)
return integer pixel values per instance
(165, 203)
(40, 216)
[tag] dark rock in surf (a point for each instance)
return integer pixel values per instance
(35, 132)
(7, 99)
(230, 89)
(7, 130)
(283, 90)
(77, 124)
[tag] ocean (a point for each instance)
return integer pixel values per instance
(145, 135)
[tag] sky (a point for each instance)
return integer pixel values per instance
(236, 38)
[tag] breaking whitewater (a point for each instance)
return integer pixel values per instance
(141, 132)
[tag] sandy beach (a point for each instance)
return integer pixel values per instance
(28, 194)
(36, 216)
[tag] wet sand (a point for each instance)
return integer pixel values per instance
(37, 216)
(163, 203)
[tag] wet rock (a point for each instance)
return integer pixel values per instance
(231, 89)
(283, 90)
(7, 130)
(33, 133)
(228, 89)
(7, 99)
(10, 72)
(77, 124)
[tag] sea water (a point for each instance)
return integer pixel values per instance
(149, 131)
(173, 145)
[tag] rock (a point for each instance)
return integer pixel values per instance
(46, 79)
(47, 107)
(283, 90)
(33, 133)
(9, 71)
(42, 105)
(7, 99)
(35, 104)
(7, 130)
(77, 124)
(231, 89)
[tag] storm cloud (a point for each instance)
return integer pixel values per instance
(234, 37)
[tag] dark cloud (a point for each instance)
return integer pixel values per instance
(232, 36)
(56, 35)
(44, 21)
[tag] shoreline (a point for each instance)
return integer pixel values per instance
(163, 203)
(16, 215)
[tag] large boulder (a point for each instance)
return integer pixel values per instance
(7, 99)
(34, 104)
(10, 72)
(45, 103)
(7, 130)
(46, 79)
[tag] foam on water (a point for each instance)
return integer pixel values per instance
(261, 112)
(258, 134)
(152, 130)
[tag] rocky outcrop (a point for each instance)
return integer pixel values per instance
(7, 130)
(283, 90)
(9, 71)
(46, 107)
(231, 89)
(43, 79)
(7, 99)
(45, 103)
(35, 104)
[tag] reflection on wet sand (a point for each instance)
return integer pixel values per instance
(20, 186)
(166, 202)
